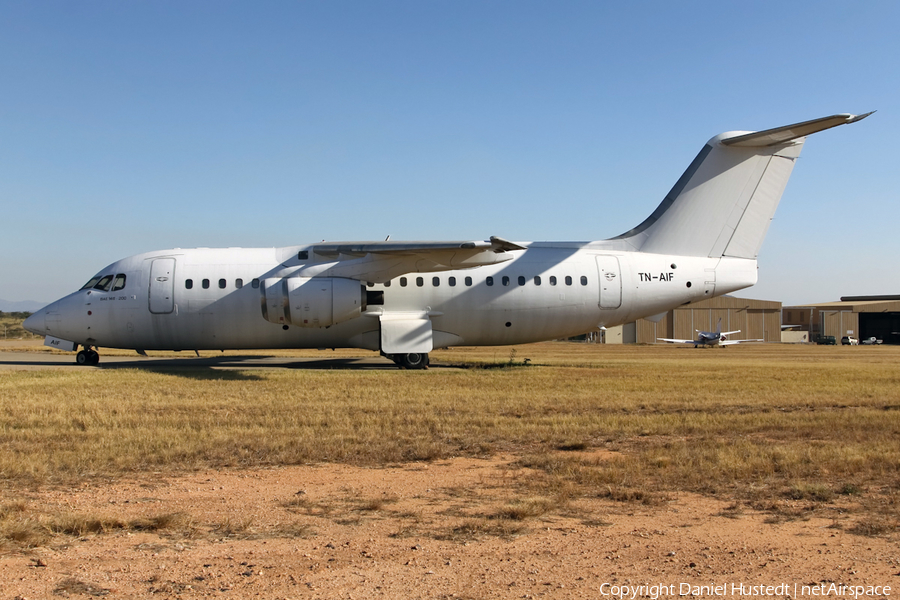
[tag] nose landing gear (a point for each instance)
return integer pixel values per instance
(88, 356)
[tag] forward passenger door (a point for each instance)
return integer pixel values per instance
(162, 286)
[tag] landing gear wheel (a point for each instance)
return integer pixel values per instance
(413, 360)
(87, 357)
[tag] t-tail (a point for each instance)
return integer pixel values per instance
(724, 202)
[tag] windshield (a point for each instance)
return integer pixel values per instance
(91, 283)
(104, 283)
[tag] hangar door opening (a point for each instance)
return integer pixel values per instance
(162, 285)
(883, 326)
(610, 282)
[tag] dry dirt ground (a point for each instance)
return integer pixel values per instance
(425, 531)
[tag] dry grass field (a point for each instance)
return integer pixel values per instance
(764, 426)
(542, 471)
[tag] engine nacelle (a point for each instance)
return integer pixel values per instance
(312, 301)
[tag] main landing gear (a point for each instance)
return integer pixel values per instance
(413, 360)
(88, 356)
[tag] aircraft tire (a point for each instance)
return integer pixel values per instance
(413, 360)
(87, 357)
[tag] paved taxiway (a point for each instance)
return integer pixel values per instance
(41, 360)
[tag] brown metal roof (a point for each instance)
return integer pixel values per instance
(734, 303)
(854, 306)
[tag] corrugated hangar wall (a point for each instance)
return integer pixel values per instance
(840, 323)
(756, 319)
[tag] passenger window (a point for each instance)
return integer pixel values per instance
(387, 283)
(119, 284)
(90, 284)
(238, 283)
(537, 280)
(255, 284)
(505, 280)
(104, 283)
(468, 281)
(206, 284)
(583, 280)
(521, 280)
(370, 284)
(489, 281)
(435, 281)
(222, 284)
(403, 282)
(420, 282)
(553, 280)
(303, 255)
(568, 280)
(451, 281)
(188, 284)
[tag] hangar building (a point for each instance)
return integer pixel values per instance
(756, 319)
(857, 316)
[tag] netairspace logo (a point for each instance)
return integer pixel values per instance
(794, 590)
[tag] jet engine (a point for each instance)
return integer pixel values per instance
(312, 301)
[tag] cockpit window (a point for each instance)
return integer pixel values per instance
(104, 283)
(119, 283)
(90, 283)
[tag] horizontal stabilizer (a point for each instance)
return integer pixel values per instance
(781, 135)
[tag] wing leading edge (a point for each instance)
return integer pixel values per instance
(378, 262)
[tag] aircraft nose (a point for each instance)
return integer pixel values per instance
(35, 323)
(38, 323)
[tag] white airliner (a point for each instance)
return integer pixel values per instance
(711, 338)
(406, 298)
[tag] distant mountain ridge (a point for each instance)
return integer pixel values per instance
(21, 305)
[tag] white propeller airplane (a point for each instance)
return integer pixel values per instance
(711, 338)
(405, 299)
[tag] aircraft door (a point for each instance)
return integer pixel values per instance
(610, 282)
(162, 286)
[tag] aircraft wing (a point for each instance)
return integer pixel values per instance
(730, 342)
(378, 262)
(671, 341)
(729, 332)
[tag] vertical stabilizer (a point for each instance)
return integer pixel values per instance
(724, 202)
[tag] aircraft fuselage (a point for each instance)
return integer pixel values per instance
(205, 299)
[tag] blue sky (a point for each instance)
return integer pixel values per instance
(134, 126)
